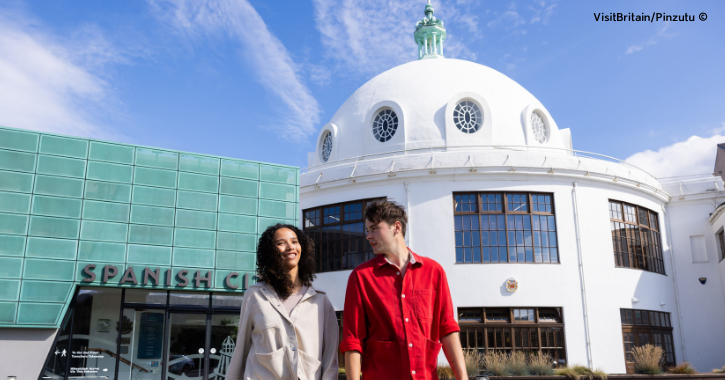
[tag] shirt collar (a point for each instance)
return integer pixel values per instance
(414, 259)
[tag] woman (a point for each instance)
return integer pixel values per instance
(288, 329)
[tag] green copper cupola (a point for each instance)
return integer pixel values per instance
(429, 35)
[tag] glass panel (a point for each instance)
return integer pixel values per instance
(189, 299)
(549, 315)
(222, 300)
(95, 325)
(55, 366)
(470, 315)
(142, 337)
(353, 212)
(629, 214)
(186, 342)
(224, 329)
(331, 215)
(491, 203)
(517, 202)
(497, 315)
(150, 297)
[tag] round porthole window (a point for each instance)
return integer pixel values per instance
(538, 127)
(385, 124)
(326, 146)
(467, 117)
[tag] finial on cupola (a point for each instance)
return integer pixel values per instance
(429, 35)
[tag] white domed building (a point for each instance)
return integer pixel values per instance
(573, 254)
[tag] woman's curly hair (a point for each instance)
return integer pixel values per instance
(270, 265)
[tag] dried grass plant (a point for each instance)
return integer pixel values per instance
(580, 372)
(495, 363)
(517, 364)
(682, 368)
(648, 359)
(719, 370)
(445, 372)
(473, 362)
(541, 365)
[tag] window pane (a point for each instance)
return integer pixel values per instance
(94, 336)
(150, 297)
(331, 215)
(353, 211)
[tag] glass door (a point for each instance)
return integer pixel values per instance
(186, 346)
(223, 339)
(141, 344)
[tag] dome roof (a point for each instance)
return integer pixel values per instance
(424, 96)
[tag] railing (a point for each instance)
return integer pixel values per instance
(125, 361)
(461, 149)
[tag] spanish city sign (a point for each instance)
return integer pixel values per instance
(148, 276)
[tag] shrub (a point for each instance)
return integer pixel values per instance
(341, 370)
(517, 364)
(719, 370)
(473, 362)
(495, 363)
(580, 372)
(648, 359)
(445, 372)
(540, 365)
(682, 368)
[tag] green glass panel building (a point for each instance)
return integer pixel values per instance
(80, 214)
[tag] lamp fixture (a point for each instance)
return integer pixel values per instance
(703, 280)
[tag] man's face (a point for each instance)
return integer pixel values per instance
(382, 236)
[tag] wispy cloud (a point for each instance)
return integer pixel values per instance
(370, 36)
(265, 53)
(509, 20)
(696, 155)
(542, 11)
(55, 84)
(661, 34)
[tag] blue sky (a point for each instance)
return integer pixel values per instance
(257, 79)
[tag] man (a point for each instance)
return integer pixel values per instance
(397, 308)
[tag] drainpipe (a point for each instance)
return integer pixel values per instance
(585, 307)
(408, 239)
(674, 282)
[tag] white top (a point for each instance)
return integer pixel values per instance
(293, 300)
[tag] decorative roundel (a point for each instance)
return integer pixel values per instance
(467, 117)
(326, 146)
(538, 127)
(385, 125)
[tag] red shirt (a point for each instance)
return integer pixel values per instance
(396, 321)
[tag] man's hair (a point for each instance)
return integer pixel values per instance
(387, 211)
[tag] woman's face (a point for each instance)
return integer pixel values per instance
(288, 246)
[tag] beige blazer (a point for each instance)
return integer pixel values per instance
(271, 344)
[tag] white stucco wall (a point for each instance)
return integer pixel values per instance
(702, 307)
(23, 351)
(431, 234)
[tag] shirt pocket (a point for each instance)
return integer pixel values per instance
(272, 365)
(423, 300)
(264, 316)
(310, 364)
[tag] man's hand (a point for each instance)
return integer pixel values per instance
(352, 364)
(454, 353)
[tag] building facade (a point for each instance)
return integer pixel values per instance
(122, 261)
(547, 249)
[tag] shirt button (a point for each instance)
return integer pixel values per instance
(410, 344)
(397, 273)
(406, 319)
(294, 349)
(403, 295)
(413, 372)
